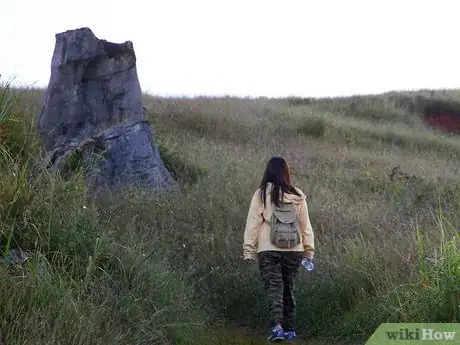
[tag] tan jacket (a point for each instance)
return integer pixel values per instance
(257, 232)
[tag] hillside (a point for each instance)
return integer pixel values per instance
(382, 194)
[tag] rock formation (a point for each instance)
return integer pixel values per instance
(93, 110)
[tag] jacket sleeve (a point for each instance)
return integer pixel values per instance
(308, 237)
(254, 223)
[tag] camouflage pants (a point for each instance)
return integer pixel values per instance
(278, 271)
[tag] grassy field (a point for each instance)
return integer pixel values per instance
(168, 270)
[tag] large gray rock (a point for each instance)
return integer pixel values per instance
(94, 97)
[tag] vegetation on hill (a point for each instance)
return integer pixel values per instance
(382, 193)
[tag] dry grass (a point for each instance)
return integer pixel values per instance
(243, 134)
(168, 270)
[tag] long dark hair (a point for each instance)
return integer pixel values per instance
(278, 173)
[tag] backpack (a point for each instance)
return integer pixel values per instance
(284, 226)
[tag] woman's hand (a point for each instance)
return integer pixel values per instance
(249, 260)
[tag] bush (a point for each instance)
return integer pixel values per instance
(313, 126)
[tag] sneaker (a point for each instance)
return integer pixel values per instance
(277, 334)
(289, 335)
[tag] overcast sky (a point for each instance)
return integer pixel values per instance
(250, 47)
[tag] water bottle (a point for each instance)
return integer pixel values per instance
(308, 264)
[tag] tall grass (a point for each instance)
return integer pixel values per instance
(87, 279)
(168, 270)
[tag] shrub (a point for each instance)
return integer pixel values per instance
(314, 126)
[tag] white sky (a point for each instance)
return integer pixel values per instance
(249, 47)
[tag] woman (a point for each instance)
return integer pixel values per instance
(278, 266)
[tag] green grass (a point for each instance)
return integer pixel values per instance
(168, 270)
